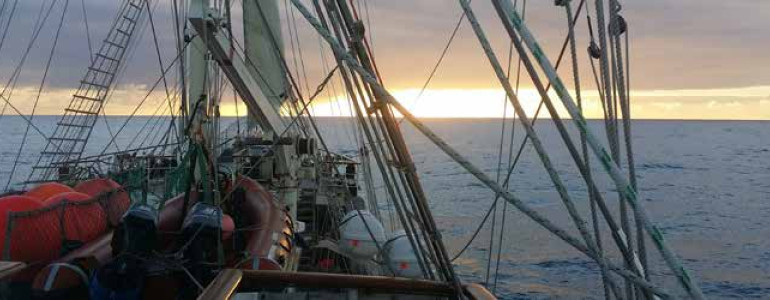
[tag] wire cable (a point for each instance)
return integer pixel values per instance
(39, 93)
(438, 62)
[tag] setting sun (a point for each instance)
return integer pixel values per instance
(739, 104)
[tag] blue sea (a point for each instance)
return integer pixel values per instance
(705, 183)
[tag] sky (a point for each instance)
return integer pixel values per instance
(689, 59)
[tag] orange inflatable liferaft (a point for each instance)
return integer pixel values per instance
(46, 190)
(115, 205)
(33, 238)
(81, 222)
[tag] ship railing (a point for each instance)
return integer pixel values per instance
(151, 179)
(110, 162)
(278, 283)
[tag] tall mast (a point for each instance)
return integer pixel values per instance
(263, 48)
(263, 51)
(197, 65)
(199, 94)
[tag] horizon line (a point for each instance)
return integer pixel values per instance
(446, 118)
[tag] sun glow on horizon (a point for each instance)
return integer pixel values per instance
(450, 103)
(750, 103)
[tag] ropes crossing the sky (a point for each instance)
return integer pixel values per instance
(620, 253)
(374, 132)
(590, 247)
(607, 163)
(39, 93)
(76, 125)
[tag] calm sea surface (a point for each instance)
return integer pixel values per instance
(705, 183)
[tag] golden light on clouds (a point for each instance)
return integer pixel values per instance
(464, 85)
(729, 104)
(752, 103)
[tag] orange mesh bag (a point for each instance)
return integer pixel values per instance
(30, 233)
(115, 199)
(46, 190)
(83, 219)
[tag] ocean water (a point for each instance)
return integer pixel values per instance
(705, 183)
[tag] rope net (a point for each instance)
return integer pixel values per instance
(41, 235)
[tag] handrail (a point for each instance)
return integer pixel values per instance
(223, 286)
(229, 281)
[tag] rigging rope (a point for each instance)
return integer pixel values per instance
(641, 242)
(293, 21)
(7, 25)
(372, 134)
(584, 148)
(10, 16)
(88, 30)
(294, 37)
(369, 25)
(291, 40)
(43, 15)
(526, 138)
(158, 115)
(438, 62)
(368, 48)
(39, 93)
(621, 182)
(506, 183)
(476, 232)
(181, 72)
(539, 149)
(292, 82)
(293, 121)
(510, 164)
(535, 118)
(334, 97)
(615, 233)
(118, 76)
(618, 28)
(405, 166)
(498, 168)
(370, 79)
(42, 18)
(160, 62)
(510, 152)
(91, 55)
(540, 106)
(357, 133)
(144, 99)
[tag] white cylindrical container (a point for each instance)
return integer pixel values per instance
(358, 241)
(400, 256)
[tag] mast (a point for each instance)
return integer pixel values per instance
(199, 128)
(263, 49)
(197, 66)
(255, 80)
(263, 55)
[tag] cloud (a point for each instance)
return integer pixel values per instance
(751, 92)
(725, 104)
(692, 44)
(677, 46)
(668, 105)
